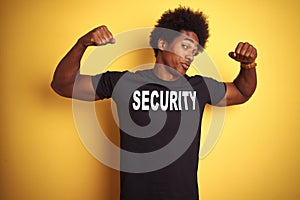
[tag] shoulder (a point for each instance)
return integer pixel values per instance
(195, 80)
(113, 73)
(109, 75)
(198, 79)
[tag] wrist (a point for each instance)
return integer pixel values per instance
(248, 65)
(80, 43)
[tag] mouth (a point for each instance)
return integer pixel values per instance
(185, 66)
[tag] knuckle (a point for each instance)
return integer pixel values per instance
(102, 27)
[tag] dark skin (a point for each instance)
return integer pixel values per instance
(172, 61)
(244, 85)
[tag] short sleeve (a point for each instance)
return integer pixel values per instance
(104, 83)
(216, 90)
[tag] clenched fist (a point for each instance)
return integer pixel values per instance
(244, 53)
(97, 37)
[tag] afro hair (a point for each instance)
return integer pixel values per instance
(173, 21)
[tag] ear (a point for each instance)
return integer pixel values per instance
(162, 44)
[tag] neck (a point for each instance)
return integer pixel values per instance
(165, 73)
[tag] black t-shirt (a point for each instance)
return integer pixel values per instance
(141, 99)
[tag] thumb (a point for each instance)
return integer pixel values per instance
(112, 40)
(232, 55)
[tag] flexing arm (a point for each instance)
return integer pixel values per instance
(68, 69)
(244, 85)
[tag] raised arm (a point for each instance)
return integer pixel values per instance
(68, 69)
(244, 85)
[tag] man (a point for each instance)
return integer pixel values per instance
(178, 36)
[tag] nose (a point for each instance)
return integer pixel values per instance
(189, 57)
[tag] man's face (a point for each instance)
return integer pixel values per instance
(179, 54)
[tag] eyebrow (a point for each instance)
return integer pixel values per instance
(192, 41)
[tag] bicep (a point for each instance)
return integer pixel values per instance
(83, 89)
(233, 96)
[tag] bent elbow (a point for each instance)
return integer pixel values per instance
(62, 91)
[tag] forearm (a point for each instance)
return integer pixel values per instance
(244, 85)
(68, 68)
(246, 82)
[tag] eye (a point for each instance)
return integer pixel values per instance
(184, 46)
(195, 52)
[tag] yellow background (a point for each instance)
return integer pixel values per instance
(257, 156)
